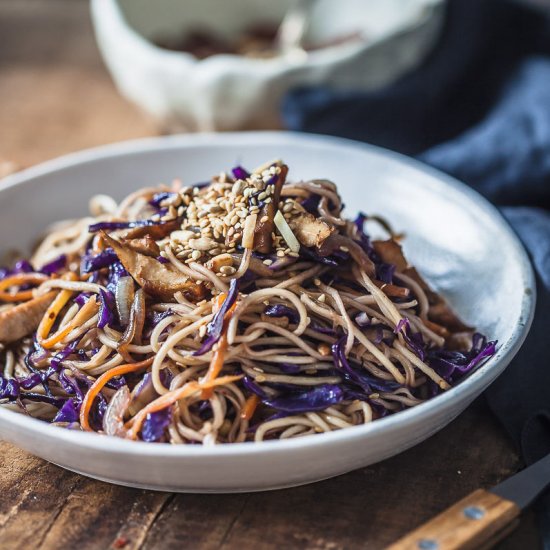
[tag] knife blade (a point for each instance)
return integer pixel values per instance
(483, 517)
(524, 487)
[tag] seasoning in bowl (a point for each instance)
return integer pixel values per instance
(259, 40)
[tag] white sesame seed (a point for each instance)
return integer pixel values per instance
(268, 262)
(237, 187)
(227, 270)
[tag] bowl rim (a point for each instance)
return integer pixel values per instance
(464, 391)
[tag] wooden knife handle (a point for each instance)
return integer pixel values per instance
(469, 524)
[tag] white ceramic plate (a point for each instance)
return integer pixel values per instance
(457, 239)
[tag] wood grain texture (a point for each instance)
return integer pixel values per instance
(467, 525)
(56, 97)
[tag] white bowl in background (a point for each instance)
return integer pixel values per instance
(451, 236)
(228, 92)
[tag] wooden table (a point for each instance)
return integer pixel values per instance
(56, 97)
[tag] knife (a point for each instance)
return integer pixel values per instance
(482, 518)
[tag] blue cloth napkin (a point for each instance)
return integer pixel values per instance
(478, 108)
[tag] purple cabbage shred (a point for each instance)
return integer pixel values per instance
(385, 272)
(254, 388)
(155, 424)
(316, 399)
(55, 266)
(23, 266)
(67, 413)
(107, 308)
(91, 263)
(160, 197)
(454, 365)
(240, 173)
(280, 310)
(215, 327)
(358, 376)
(113, 226)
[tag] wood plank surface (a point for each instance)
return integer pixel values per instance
(56, 97)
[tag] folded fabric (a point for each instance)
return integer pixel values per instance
(479, 109)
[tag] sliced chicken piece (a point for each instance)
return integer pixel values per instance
(391, 252)
(146, 246)
(309, 230)
(440, 313)
(157, 279)
(21, 320)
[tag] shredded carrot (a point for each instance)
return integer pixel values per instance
(89, 309)
(98, 385)
(249, 408)
(51, 314)
(19, 280)
(53, 311)
(216, 364)
(134, 425)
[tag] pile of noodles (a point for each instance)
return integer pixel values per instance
(291, 339)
